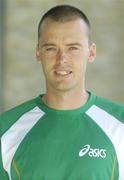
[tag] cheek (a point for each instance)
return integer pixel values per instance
(80, 62)
(80, 67)
(47, 65)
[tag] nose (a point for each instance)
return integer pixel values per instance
(61, 56)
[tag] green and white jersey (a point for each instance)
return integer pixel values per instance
(41, 143)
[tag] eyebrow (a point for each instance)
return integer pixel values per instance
(74, 44)
(47, 44)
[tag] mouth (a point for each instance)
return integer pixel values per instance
(63, 73)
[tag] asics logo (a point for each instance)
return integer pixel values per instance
(96, 152)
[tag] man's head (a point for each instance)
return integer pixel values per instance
(64, 13)
(63, 48)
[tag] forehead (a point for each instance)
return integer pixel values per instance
(72, 27)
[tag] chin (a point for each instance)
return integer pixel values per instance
(65, 87)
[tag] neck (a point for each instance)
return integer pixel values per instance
(65, 100)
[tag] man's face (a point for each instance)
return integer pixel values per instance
(63, 52)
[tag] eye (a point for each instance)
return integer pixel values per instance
(73, 48)
(51, 49)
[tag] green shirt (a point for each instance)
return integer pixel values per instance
(41, 143)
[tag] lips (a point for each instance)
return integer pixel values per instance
(63, 72)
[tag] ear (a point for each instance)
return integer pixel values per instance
(92, 52)
(38, 54)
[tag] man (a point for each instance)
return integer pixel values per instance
(68, 133)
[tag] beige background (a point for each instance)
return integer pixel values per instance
(23, 78)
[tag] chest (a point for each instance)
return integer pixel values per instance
(58, 152)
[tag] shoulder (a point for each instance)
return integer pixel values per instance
(112, 108)
(10, 116)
